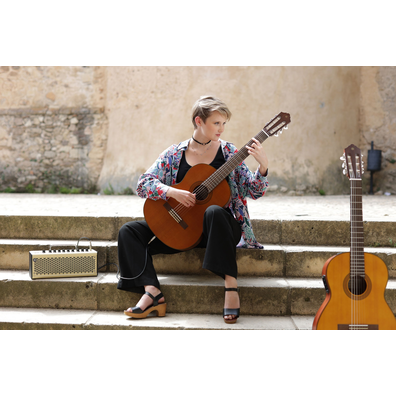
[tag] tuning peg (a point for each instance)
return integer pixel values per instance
(342, 158)
(344, 171)
(276, 134)
(286, 127)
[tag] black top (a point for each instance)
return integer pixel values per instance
(184, 166)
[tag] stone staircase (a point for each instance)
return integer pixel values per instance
(281, 286)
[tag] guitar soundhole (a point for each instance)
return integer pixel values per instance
(357, 285)
(201, 192)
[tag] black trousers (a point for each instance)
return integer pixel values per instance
(221, 234)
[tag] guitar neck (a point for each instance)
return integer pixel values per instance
(212, 182)
(357, 238)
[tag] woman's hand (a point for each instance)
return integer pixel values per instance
(257, 151)
(185, 197)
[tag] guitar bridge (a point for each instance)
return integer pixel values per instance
(175, 215)
(357, 327)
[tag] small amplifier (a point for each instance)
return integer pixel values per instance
(63, 263)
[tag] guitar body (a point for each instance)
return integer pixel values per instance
(186, 233)
(343, 310)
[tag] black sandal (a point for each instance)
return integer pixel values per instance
(137, 312)
(231, 311)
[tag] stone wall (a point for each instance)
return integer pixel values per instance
(53, 128)
(378, 123)
(47, 149)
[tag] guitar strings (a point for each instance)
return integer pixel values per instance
(213, 180)
(353, 264)
(357, 256)
(273, 127)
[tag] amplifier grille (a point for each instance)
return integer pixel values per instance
(64, 265)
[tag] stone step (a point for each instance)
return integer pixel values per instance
(298, 231)
(65, 319)
(185, 294)
(273, 261)
(280, 286)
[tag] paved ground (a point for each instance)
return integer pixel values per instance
(379, 208)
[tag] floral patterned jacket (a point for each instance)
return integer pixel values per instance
(155, 182)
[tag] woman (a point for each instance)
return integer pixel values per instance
(223, 228)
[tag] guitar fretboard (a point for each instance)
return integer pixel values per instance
(217, 177)
(357, 237)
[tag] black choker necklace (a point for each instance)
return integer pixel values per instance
(202, 144)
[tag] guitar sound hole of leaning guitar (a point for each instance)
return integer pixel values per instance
(357, 285)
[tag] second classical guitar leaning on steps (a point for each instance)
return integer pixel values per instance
(180, 227)
(355, 282)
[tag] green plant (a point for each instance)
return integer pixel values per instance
(30, 189)
(9, 190)
(393, 244)
(322, 192)
(109, 191)
(127, 191)
(64, 190)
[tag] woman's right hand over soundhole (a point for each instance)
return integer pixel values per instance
(185, 197)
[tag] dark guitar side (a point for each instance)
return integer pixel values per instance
(370, 308)
(188, 234)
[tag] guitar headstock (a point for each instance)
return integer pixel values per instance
(277, 124)
(352, 162)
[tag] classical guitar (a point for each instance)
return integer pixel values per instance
(355, 282)
(180, 227)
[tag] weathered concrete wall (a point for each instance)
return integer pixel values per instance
(378, 123)
(149, 108)
(53, 129)
(58, 86)
(99, 126)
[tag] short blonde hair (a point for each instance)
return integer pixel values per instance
(206, 105)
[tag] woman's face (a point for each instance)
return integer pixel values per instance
(213, 127)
